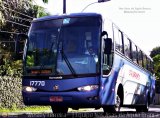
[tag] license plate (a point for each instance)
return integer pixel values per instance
(56, 99)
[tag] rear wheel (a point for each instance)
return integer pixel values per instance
(143, 108)
(58, 109)
(146, 107)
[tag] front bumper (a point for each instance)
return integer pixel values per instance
(71, 99)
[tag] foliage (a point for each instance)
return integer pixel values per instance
(155, 54)
(26, 109)
(13, 69)
(156, 60)
(30, 60)
(10, 96)
(15, 17)
(45, 1)
(155, 51)
(40, 11)
(10, 81)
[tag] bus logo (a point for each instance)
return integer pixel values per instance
(134, 74)
(56, 88)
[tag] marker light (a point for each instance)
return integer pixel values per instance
(88, 88)
(29, 89)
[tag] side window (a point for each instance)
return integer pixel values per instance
(151, 66)
(127, 47)
(148, 64)
(140, 58)
(105, 64)
(144, 61)
(134, 53)
(107, 61)
(118, 40)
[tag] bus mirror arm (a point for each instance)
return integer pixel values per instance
(104, 33)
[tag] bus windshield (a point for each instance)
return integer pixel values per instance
(68, 46)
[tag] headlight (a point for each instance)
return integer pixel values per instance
(29, 89)
(88, 88)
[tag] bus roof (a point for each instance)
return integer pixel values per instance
(66, 15)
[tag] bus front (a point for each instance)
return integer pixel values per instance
(62, 62)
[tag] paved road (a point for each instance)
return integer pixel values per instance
(154, 112)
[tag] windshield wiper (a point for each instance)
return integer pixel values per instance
(67, 62)
(63, 54)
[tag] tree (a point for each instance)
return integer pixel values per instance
(155, 51)
(155, 54)
(40, 11)
(156, 60)
(15, 17)
(45, 1)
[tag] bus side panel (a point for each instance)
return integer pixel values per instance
(152, 89)
(107, 93)
(135, 82)
(108, 83)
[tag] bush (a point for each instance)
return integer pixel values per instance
(10, 89)
(11, 85)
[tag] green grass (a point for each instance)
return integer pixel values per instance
(26, 109)
(35, 109)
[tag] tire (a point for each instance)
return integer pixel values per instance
(115, 108)
(138, 109)
(118, 103)
(146, 106)
(108, 109)
(58, 109)
(143, 108)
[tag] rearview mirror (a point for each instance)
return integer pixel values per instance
(107, 42)
(108, 45)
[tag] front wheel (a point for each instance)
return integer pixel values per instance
(115, 108)
(118, 103)
(58, 109)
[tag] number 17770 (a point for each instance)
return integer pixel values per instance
(37, 83)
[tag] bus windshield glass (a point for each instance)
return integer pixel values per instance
(66, 46)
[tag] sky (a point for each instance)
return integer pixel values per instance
(139, 19)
